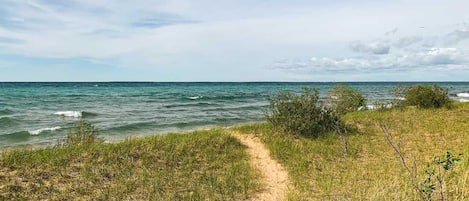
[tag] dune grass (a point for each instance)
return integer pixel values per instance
(211, 165)
(203, 165)
(369, 169)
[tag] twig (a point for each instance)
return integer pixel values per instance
(412, 172)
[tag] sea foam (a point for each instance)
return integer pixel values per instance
(36, 132)
(464, 95)
(75, 114)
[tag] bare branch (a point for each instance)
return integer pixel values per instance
(412, 171)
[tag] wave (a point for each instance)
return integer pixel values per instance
(88, 114)
(226, 97)
(463, 100)
(236, 108)
(75, 114)
(38, 131)
(463, 95)
(199, 104)
(132, 127)
(6, 112)
(376, 106)
(16, 136)
(6, 121)
(194, 97)
(230, 97)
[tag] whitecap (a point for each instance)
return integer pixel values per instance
(464, 95)
(75, 114)
(194, 97)
(36, 132)
(374, 107)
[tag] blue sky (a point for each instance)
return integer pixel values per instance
(234, 40)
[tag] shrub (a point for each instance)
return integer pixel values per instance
(83, 133)
(427, 96)
(398, 94)
(343, 99)
(300, 114)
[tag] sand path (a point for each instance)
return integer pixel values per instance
(274, 176)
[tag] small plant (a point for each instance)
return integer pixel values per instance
(427, 96)
(83, 133)
(436, 175)
(300, 114)
(343, 99)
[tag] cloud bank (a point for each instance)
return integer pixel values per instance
(402, 54)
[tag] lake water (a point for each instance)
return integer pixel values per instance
(42, 113)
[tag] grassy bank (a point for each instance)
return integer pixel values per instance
(203, 165)
(369, 168)
(211, 165)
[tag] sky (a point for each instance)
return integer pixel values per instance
(234, 40)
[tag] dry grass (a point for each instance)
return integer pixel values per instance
(203, 165)
(321, 169)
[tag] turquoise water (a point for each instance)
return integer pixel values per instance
(42, 113)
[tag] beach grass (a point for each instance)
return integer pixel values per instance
(212, 165)
(363, 166)
(201, 165)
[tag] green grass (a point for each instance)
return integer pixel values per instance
(321, 169)
(203, 165)
(211, 165)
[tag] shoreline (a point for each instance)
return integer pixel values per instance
(189, 159)
(34, 146)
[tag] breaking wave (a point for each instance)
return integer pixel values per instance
(463, 95)
(75, 114)
(38, 131)
(195, 97)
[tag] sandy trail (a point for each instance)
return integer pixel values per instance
(274, 176)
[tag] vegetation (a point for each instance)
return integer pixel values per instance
(399, 96)
(203, 165)
(390, 157)
(434, 174)
(83, 133)
(343, 99)
(300, 114)
(320, 169)
(426, 96)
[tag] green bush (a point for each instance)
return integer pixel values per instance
(300, 114)
(426, 96)
(83, 133)
(343, 99)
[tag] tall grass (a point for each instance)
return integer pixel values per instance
(203, 165)
(320, 169)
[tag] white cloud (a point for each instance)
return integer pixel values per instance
(434, 58)
(374, 48)
(228, 36)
